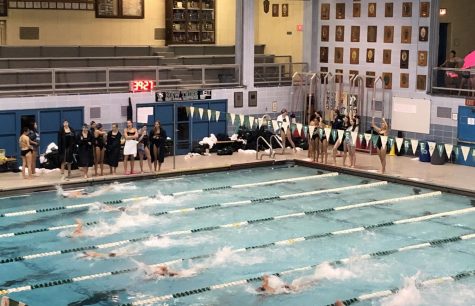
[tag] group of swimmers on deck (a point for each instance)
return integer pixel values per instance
(318, 141)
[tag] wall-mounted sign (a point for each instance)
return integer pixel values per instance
(141, 86)
(183, 95)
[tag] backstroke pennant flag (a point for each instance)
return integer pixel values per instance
(399, 143)
(241, 119)
(354, 136)
(210, 112)
(192, 111)
(340, 134)
(232, 117)
(251, 121)
(414, 144)
(457, 152)
(299, 128)
(200, 111)
(384, 141)
(440, 148)
(431, 147)
(465, 151)
(275, 125)
(448, 149)
(327, 133)
(260, 121)
(311, 129)
(375, 139)
(218, 113)
(367, 137)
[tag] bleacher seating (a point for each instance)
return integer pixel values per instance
(72, 57)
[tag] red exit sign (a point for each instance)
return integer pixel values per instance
(299, 27)
(141, 86)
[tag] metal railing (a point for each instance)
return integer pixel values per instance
(453, 81)
(41, 81)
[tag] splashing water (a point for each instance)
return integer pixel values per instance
(409, 295)
(166, 242)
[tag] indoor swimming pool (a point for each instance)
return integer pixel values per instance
(330, 236)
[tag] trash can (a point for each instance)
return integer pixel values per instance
(424, 155)
(439, 157)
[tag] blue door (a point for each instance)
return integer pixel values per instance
(466, 124)
(49, 121)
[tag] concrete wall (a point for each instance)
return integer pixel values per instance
(63, 27)
(111, 104)
(460, 17)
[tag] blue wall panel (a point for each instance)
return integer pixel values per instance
(466, 124)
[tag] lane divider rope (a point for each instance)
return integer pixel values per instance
(141, 198)
(222, 205)
(427, 283)
(229, 225)
(163, 298)
(436, 242)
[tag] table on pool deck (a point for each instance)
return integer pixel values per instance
(448, 175)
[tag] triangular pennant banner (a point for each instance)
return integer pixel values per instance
(431, 147)
(340, 134)
(209, 114)
(440, 148)
(200, 111)
(367, 137)
(334, 135)
(327, 133)
(457, 152)
(311, 129)
(241, 119)
(414, 144)
(448, 149)
(217, 115)
(391, 143)
(305, 129)
(384, 141)
(399, 143)
(187, 111)
(320, 133)
(232, 117)
(260, 121)
(275, 125)
(251, 121)
(292, 128)
(192, 111)
(354, 136)
(299, 128)
(465, 151)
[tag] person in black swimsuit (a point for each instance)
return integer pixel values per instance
(157, 137)
(99, 148)
(383, 130)
(66, 143)
(26, 153)
(113, 148)
(85, 157)
(313, 143)
(143, 148)
(35, 144)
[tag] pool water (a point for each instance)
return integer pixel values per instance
(239, 233)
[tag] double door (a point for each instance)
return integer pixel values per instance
(190, 127)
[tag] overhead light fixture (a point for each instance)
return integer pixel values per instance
(442, 11)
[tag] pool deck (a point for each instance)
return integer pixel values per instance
(448, 176)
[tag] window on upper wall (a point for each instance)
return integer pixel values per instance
(454, 73)
(120, 9)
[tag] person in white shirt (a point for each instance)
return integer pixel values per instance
(284, 121)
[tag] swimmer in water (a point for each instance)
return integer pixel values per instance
(92, 254)
(162, 270)
(107, 207)
(78, 231)
(339, 303)
(266, 287)
(74, 194)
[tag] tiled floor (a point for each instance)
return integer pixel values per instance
(448, 175)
